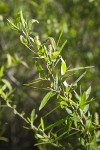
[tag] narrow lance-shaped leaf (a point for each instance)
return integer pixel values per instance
(12, 25)
(88, 124)
(7, 84)
(63, 67)
(53, 43)
(56, 83)
(79, 68)
(34, 82)
(77, 96)
(3, 139)
(39, 68)
(51, 126)
(61, 135)
(88, 92)
(57, 53)
(33, 116)
(86, 108)
(59, 37)
(68, 111)
(42, 123)
(46, 99)
(83, 100)
(22, 19)
(79, 78)
(1, 71)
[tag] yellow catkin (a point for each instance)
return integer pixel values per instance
(96, 118)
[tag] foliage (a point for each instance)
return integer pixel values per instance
(54, 73)
(78, 21)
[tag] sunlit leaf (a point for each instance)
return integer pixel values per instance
(34, 82)
(34, 20)
(86, 108)
(22, 19)
(46, 99)
(79, 68)
(1, 71)
(68, 111)
(39, 136)
(83, 100)
(88, 92)
(63, 67)
(7, 84)
(33, 116)
(57, 53)
(9, 60)
(23, 40)
(53, 43)
(56, 83)
(42, 123)
(12, 25)
(77, 96)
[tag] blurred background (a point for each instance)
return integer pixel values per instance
(80, 22)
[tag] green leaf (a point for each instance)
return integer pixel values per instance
(12, 25)
(61, 135)
(22, 19)
(9, 60)
(55, 124)
(93, 144)
(1, 71)
(34, 20)
(88, 92)
(3, 139)
(33, 117)
(86, 108)
(59, 37)
(87, 102)
(79, 78)
(77, 96)
(69, 124)
(88, 125)
(42, 123)
(39, 136)
(83, 100)
(68, 111)
(63, 67)
(7, 84)
(61, 48)
(39, 68)
(79, 68)
(68, 100)
(34, 82)
(56, 83)
(53, 43)
(57, 53)
(23, 40)
(46, 99)
(3, 95)
(33, 3)
(63, 104)
(67, 89)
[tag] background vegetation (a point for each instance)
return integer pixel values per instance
(80, 23)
